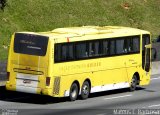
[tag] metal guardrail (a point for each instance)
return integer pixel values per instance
(3, 73)
(157, 47)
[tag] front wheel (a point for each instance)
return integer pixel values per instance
(85, 91)
(73, 92)
(134, 82)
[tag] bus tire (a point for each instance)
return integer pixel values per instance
(85, 90)
(73, 92)
(134, 82)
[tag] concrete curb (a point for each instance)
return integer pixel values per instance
(2, 83)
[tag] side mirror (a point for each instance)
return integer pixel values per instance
(154, 54)
(148, 46)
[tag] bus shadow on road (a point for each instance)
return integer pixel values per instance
(18, 97)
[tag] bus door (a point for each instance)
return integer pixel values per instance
(146, 51)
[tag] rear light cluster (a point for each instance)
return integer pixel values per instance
(48, 79)
(8, 74)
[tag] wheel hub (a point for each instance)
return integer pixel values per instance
(85, 90)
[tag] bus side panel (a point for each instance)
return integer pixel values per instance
(133, 65)
(103, 74)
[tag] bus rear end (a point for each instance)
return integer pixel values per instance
(28, 63)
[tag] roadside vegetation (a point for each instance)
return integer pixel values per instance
(45, 15)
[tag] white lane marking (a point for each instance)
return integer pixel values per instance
(117, 97)
(102, 114)
(154, 105)
(155, 78)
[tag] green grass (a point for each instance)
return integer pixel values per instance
(45, 15)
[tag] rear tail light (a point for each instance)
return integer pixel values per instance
(8, 74)
(48, 81)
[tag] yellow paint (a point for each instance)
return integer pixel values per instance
(100, 71)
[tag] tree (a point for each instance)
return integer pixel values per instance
(3, 4)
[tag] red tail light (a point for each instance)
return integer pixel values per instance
(48, 81)
(8, 74)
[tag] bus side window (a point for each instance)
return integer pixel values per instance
(64, 53)
(93, 48)
(81, 50)
(96, 44)
(136, 44)
(112, 47)
(132, 44)
(57, 57)
(105, 47)
(70, 53)
(120, 46)
(128, 45)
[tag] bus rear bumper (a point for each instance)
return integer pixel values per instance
(26, 89)
(32, 90)
(21, 88)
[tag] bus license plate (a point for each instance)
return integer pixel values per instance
(26, 81)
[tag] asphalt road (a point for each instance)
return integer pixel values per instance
(109, 102)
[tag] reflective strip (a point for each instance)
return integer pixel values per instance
(109, 87)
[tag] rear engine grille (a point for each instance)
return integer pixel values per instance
(56, 86)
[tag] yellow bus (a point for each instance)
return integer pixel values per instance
(67, 62)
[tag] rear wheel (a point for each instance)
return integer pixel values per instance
(73, 92)
(85, 91)
(134, 82)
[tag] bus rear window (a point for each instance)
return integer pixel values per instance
(30, 44)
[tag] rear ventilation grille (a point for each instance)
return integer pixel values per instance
(56, 86)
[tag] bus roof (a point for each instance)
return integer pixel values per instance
(90, 32)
